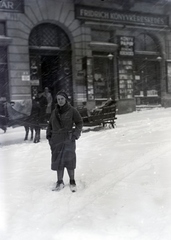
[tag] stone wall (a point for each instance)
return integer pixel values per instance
(19, 27)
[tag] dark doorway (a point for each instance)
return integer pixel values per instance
(50, 60)
(50, 74)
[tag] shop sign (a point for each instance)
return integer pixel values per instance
(126, 46)
(116, 16)
(12, 5)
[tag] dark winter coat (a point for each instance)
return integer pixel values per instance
(65, 126)
(39, 109)
(37, 118)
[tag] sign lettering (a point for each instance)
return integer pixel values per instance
(6, 5)
(126, 46)
(116, 16)
(12, 5)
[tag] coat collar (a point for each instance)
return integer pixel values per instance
(63, 109)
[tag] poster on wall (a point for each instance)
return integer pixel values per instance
(126, 46)
(90, 86)
(125, 79)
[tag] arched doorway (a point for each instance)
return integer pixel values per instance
(50, 59)
(147, 83)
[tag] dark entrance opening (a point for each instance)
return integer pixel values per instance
(50, 60)
(50, 74)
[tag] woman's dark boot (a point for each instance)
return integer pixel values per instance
(73, 186)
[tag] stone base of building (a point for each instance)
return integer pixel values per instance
(166, 102)
(126, 106)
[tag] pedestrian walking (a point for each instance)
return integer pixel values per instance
(64, 128)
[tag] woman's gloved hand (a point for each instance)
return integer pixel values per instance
(48, 138)
(73, 138)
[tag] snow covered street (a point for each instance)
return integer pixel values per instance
(123, 179)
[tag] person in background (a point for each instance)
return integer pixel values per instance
(48, 96)
(39, 114)
(42, 102)
(64, 128)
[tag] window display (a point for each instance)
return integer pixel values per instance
(126, 79)
(101, 78)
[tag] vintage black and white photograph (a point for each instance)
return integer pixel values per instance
(85, 119)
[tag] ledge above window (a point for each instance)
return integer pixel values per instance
(5, 41)
(103, 46)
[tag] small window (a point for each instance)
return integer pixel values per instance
(2, 28)
(102, 36)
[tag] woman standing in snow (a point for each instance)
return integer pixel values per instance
(64, 127)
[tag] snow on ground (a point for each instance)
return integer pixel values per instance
(123, 180)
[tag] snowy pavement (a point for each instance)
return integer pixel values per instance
(123, 180)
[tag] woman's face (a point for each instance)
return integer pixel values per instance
(61, 100)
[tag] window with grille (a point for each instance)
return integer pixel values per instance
(144, 42)
(49, 35)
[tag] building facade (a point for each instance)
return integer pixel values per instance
(93, 49)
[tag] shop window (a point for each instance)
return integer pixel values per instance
(144, 42)
(125, 78)
(2, 28)
(103, 72)
(147, 89)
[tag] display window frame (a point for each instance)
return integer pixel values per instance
(168, 74)
(108, 73)
(125, 78)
